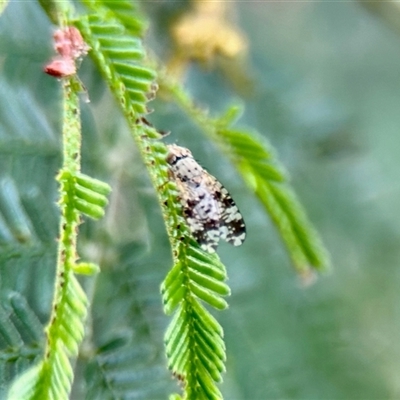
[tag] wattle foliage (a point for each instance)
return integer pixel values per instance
(197, 281)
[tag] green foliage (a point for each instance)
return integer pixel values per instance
(52, 377)
(266, 178)
(256, 162)
(21, 336)
(122, 368)
(125, 12)
(194, 339)
(193, 276)
(87, 195)
(118, 56)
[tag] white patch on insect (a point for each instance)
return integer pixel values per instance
(208, 208)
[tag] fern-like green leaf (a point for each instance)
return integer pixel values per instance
(194, 344)
(52, 377)
(258, 165)
(126, 12)
(125, 370)
(54, 373)
(196, 275)
(13, 212)
(21, 337)
(117, 55)
(89, 195)
(256, 162)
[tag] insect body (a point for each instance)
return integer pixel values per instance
(208, 208)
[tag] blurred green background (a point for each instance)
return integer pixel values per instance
(327, 96)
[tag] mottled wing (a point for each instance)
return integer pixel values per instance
(201, 212)
(232, 228)
(206, 232)
(208, 208)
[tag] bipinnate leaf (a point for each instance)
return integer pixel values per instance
(196, 276)
(257, 163)
(54, 373)
(194, 339)
(118, 56)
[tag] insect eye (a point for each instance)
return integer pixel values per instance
(170, 159)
